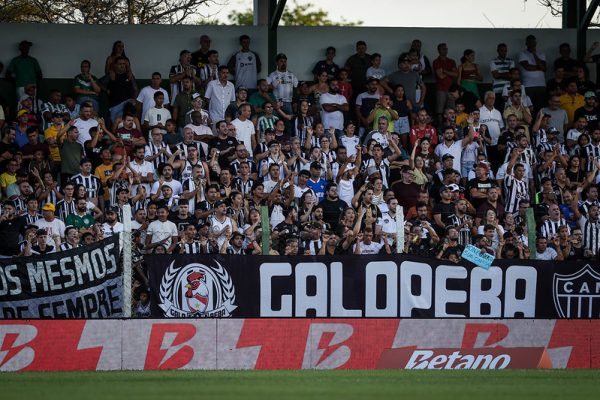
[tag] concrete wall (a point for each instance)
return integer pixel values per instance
(60, 48)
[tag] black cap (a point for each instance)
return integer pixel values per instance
(25, 43)
(316, 164)
(447, 156)
(31, 226)
(280, 56)
(218, 203)
(113, 209)
(372, 79)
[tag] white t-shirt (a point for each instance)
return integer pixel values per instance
(283, 85)
(109, 231)
(162, 230)
(494, 122)
(372, 248)
(146, 97)
(455, 150)
(154, 116)
(143, 170)
(243, 133)
(334, 119)
(53, 228)
(349, 142)
(84, 129)
(531, 78)
(173, 184)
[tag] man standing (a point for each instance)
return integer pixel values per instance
(283, 83)
(334, 106)
(410, 80)
(244, 128)
(122, 88)
(24, 69)
(245, 65)
(84, 123)
(145, 99)
(589, 111)
(358, 64)
(492, 118)
(500, 67)
(183, 101)
(181, 71)
(533, 72)
(327, 65)
(445, 73)
(219, 93)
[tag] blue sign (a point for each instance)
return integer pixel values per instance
(481, 259)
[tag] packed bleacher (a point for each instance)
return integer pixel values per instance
(198, 151)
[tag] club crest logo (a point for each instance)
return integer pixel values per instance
(577, 295)
(197, 290)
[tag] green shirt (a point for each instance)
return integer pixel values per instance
(26, 70)
(86, 84)
(183, 103)
(80, 222)
(70, 154)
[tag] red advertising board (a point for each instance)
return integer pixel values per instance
(52, 345)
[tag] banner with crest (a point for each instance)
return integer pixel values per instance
(394, 286)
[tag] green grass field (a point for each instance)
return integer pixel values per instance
(330, 385)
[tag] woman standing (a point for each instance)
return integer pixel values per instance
(469, 73)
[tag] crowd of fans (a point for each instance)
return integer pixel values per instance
(331, 158)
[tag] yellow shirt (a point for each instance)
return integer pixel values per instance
(104, 172)
(52, 133)
(6, 179)
(570, 104)
(461, 119)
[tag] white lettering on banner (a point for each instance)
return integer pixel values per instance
(443, 295)
(389, 270)
(490, 297)
(337, 293)
(408, 300)
(327, 355)
(6, 277)
(304, 301)
(419, 287)
(421, 359)
(267, 272)
(14, 355)
(514, 306)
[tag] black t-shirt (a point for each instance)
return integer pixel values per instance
(445, 210)
(9, 236)
(120, 89)
(182, 223)
(332, 209)
(470, 101)
(590, 116)
(481, 186)
(222, 145)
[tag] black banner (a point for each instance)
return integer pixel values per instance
(369, 287)
(79, 283)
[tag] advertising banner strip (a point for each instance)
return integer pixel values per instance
(80, 283)
(297, 343)
(391, 286)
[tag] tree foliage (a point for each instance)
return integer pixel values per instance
(294, 15)
(100, 11)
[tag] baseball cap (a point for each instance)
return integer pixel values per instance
(454, 187)
(589, 95)
(31, 226)
(218, 203)
(21, 112)
(195, 96)
(48, 207)
(316, 164)
(113, 209)
(444, 188)
(372, 79)
(447, 156)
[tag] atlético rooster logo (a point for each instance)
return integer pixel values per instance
(197, 290)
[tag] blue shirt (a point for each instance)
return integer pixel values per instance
(318, 187)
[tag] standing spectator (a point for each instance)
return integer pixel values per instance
(468, 72)
(245, 65)
(445, 75)
(327, 65)
(219, 93)
(200, 57)
(244, 128)
(533, 72)
(492, 118)
(365, 103)
(71, 153)
(565, 61)
(500, 68)
(180, 72)
(558, 117)
(571, 101)
(183, 101)
(145, 99)
(157, 116)
(121, 87)
(411, 80)
(589, 110)
(334, 106)
(86, 86)
(283, 83)
(24, 69)
(357, 65)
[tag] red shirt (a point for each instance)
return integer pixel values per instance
(448, 64)
(346, 90)
(127, 135)
(419, 133)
